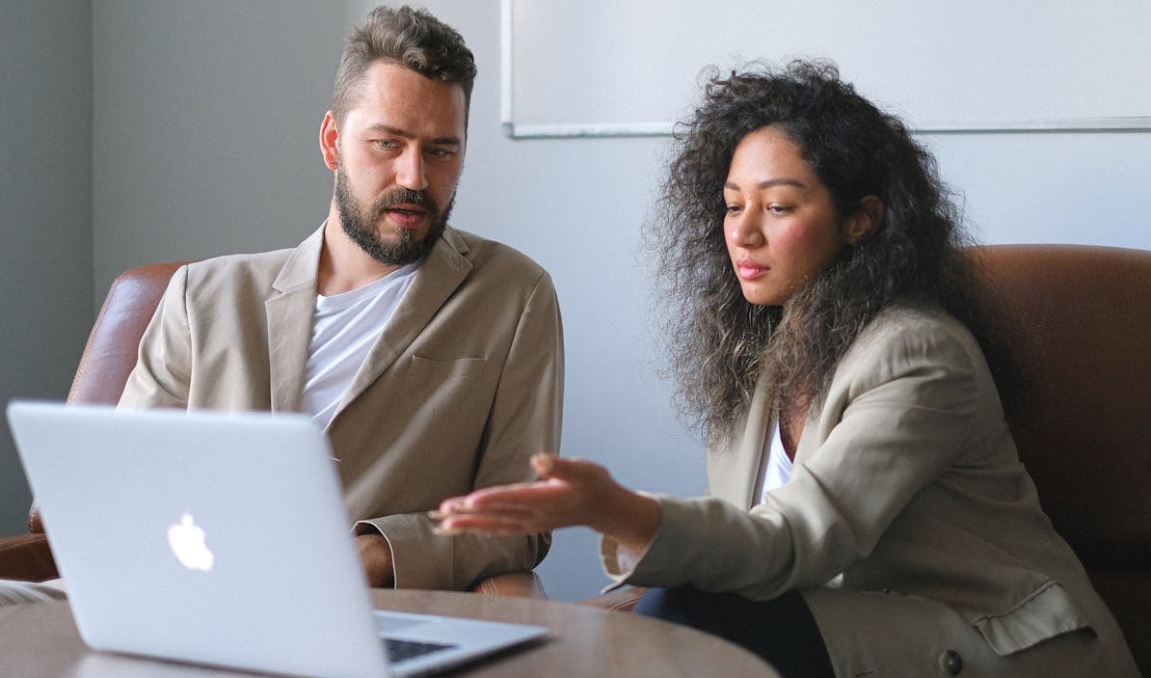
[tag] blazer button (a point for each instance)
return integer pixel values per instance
(950, 663)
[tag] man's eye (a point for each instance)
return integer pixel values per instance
(385, 143)
(436, 152)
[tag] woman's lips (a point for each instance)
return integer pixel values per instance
(749, 270)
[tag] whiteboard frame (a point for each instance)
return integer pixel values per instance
(562, 130)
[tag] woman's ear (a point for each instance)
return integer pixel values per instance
(866, 219)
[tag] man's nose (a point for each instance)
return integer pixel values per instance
(410, 172)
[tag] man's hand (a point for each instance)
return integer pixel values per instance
(376, 556)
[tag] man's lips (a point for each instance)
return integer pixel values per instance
(406, 215)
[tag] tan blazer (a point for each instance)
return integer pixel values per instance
(463, 385)
(908, 523)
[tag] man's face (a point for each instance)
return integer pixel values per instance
(400, 152)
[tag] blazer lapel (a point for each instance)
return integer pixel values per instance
(444, 270)
(732, 473)
(289, 314)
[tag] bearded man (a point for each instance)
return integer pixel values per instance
(433, 357)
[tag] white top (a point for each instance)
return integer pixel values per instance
(344, 328)
(774, 472)
(774, 465)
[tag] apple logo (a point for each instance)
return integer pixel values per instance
(187, 542)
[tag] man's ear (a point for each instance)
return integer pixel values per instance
(866, 219)
(329, 137)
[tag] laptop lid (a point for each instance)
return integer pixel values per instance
(206, 537)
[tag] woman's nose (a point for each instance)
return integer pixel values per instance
(745, 230)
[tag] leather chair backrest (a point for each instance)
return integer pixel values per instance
(1080, 318)
(113, 343)
(1080, 321)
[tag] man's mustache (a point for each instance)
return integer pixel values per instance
(405, 196)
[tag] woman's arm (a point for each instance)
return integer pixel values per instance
(570, 492)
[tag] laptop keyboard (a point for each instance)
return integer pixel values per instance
(399, 650)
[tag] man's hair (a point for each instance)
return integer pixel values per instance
(408, 37)
(719, 343)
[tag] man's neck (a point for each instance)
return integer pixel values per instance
(344, 266)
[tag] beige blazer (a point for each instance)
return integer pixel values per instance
(908, 523)
(462, 386)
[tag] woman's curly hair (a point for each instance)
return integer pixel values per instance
(720, 344)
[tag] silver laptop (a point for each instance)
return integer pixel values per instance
(221, 539)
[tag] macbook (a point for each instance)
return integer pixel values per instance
(221, 539)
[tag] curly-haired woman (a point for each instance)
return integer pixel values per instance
(868, 513)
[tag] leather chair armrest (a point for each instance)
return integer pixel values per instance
(26, 557)
(514, 584)
(619, 600)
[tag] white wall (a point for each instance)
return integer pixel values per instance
(205, 124)
(1073, 188)
(46, 202)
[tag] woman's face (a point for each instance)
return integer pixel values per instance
(781, 228)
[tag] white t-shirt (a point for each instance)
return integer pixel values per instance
(344, 328)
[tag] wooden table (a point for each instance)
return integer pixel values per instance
(41, 641)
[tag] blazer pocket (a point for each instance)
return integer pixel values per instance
(1044, 614)
(463, 368)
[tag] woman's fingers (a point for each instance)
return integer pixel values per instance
(575, 471)
(497, 519)
(568, 492)
(543, 464)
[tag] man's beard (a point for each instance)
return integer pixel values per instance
(360, 225)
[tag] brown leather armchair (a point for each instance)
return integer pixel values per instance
(1079, 318)
(108, 358)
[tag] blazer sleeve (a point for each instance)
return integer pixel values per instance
(901, 407)
(162, 375)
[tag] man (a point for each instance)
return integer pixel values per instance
(433, 357)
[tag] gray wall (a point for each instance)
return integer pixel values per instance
(204, 141)
(46, 203)
(206, 118)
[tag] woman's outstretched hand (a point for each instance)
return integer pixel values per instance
(569, 492)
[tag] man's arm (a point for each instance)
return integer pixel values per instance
(162, 375)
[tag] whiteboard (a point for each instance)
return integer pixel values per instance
(633, 67)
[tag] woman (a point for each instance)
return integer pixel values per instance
(868, 514)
